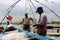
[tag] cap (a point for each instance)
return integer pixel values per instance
(26, 12)
(39, 9)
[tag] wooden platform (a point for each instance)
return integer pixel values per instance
(53, 34)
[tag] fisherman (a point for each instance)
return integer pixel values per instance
(9, 26)
(41, 25)
(26, 22)
(8, 21)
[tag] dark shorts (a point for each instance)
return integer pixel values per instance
(42, 30)
(26, 27)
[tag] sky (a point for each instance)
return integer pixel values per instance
(19, 10)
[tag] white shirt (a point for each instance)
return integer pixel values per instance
(43, 19)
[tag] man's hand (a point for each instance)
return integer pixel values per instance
(34, 25)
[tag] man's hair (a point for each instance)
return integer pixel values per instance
(26, 13)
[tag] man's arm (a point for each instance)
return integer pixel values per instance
(31, 19)
(22, 21)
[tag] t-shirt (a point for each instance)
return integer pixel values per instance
(43, 19)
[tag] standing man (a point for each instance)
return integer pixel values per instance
(41, 25)
(26, 22)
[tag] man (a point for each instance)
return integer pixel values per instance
(26, 22)
(9, 19)
(41, 25)
(9, 26)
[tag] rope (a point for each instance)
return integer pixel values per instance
(46, 0)
(33, 4)
(5, 16)
(48, 8)
(33, 34)
(9, 10)
(25, 5)
(13, 5)
(32, 12)
(31, 9)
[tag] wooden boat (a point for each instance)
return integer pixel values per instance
(31, 35)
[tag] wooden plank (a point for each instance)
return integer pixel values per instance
(53, 34)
